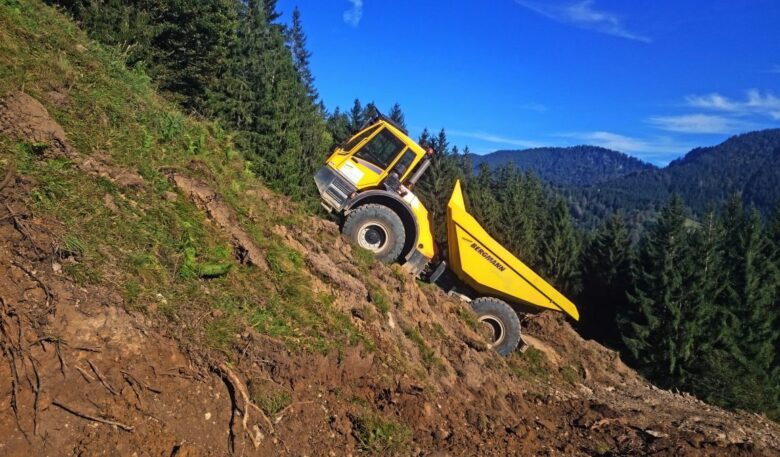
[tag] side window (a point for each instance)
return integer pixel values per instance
(403, 163)
(360, 137)
(381, 150)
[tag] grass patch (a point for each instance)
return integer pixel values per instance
(467, 317)
(364, 259)
(530, 365)
(221, 332)
(429, 358)
(379, 436)
(379, 299)
(570, 374)
(272, 401)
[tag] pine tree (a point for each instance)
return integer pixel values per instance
(481, 195)
(370, 112)
(654, 328)
(750, 337)
(262, 96)
(520, 216)
(338, 126)
(437, 183)
(301, 56)
(183, 45)
(269, 10)
(397, 115)
(560, 255)
(607, 263)
(356, 119)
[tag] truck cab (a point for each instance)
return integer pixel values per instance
(369, 179)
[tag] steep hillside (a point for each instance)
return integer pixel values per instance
(157, 299)
(574, 166)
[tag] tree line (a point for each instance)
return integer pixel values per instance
(693, 304)
(228, 60)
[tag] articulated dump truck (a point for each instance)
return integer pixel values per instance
(368, 182)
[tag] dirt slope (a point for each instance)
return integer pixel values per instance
(365, 360)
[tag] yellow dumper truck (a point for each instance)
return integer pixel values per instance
(369, 180)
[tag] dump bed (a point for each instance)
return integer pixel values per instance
(487, 267)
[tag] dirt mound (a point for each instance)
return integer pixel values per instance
(23, 117)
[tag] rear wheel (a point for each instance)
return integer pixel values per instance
(378, 229)
(501, 320)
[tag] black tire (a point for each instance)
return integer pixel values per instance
(378, 229)
(502, 320)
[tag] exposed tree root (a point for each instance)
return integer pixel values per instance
(241, 407)
(102, 378)
(82, 415)
(9, 176)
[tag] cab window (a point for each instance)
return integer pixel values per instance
(381, 150)
(360, 137)
(403, 163)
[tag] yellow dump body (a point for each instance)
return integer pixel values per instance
(488, 268)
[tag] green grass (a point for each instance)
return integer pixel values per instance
(272, 401)
(467, 317)
(530, 365)
(364, 259)
(378, 436)
(162, 256)
(570, 374)
(429, 358)
(379, 298)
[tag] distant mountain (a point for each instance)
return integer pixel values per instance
(748, 164)
(573, 166)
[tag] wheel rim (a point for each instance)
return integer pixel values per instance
(496, 328)
(372, 236)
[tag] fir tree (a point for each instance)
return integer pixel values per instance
(654, 327)
(301, 56)
(520, 216)
(339, 127)
(481, 195)
(437, 183)
(356, 117)
(560, 254)
(607, 263)
(397, 115)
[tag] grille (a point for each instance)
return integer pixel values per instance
(338, 191)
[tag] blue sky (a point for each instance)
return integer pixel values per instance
(652, 79)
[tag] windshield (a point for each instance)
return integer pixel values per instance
(381, 150)
(360, 137)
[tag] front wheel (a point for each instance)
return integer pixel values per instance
(502, 321)
(378, 229)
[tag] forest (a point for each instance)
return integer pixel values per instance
(692, 300)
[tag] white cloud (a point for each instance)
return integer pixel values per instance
(659, 150)
(353, 15)
(495, 139)
(754, 103)
(584, 15)
(698, 123)
(775, 69)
